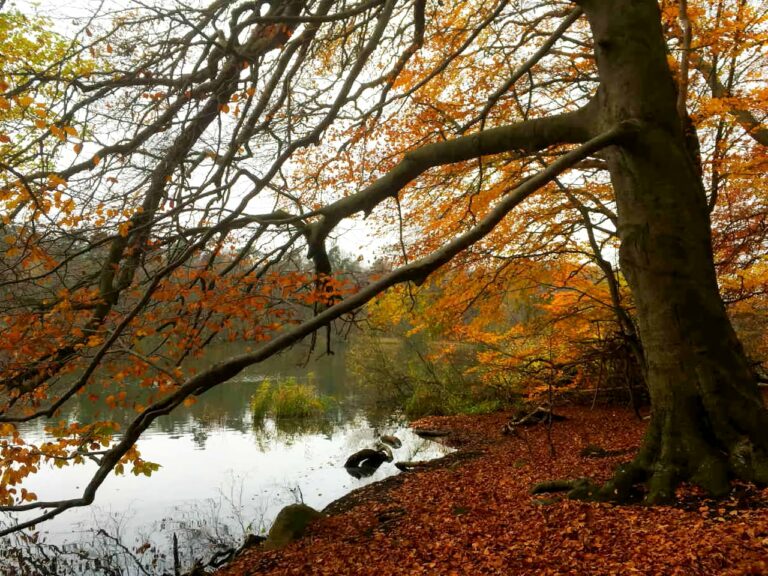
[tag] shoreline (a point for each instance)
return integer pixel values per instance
(471, 513)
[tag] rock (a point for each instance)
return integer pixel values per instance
(290, 525)
(362, 471)
(368, 457)
(386, 450)
(365, 462)
(390, 440)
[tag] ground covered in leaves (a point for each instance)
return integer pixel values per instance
(475, 515)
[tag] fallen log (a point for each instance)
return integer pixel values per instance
(409, 466)
(426, 433)
(541, 414)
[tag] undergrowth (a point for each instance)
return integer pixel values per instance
(437, 401)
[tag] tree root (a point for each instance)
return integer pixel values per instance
(577, 489)
(706, 441)
(653, 481)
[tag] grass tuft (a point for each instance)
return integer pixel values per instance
(288, 399)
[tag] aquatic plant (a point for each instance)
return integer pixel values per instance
(288, 399)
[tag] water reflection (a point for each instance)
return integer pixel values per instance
(224, 474)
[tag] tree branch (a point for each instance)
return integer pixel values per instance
(744, 117)
(527, 137)
(525, 67)
(417, 271)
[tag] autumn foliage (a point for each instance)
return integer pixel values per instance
(171, 180)
(543, 296)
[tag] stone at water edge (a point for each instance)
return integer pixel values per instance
(290, 525)
(385, 450)
(369, 457)
(391, 440)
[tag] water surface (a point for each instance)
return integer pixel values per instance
(223, 475)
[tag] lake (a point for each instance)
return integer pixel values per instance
(222, 475)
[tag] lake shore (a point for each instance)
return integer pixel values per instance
(471, 512)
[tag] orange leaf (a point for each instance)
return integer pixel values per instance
(56, 180)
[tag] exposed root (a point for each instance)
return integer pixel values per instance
(554, 486)
(655, 480)
(578, 489)
(673, 454)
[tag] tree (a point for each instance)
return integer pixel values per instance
(199, 173)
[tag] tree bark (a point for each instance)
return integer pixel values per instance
(709, 422)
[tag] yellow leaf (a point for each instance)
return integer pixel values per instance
(70, 130)
(40, 123)
(59, 133)
(25, 100)
(56, 180)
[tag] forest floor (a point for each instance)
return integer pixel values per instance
(473, 514)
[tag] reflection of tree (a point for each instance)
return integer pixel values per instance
(269, 431)
(199, 437)
(226, 406)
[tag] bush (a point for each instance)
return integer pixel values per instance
(425, 401)
(402, 372)
(288, 399)
(429, 401)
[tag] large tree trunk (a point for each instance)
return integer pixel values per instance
(708, 423)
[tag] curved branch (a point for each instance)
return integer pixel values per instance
(417, 271)
(527, 137)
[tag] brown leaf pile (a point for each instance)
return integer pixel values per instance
(477, 516)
